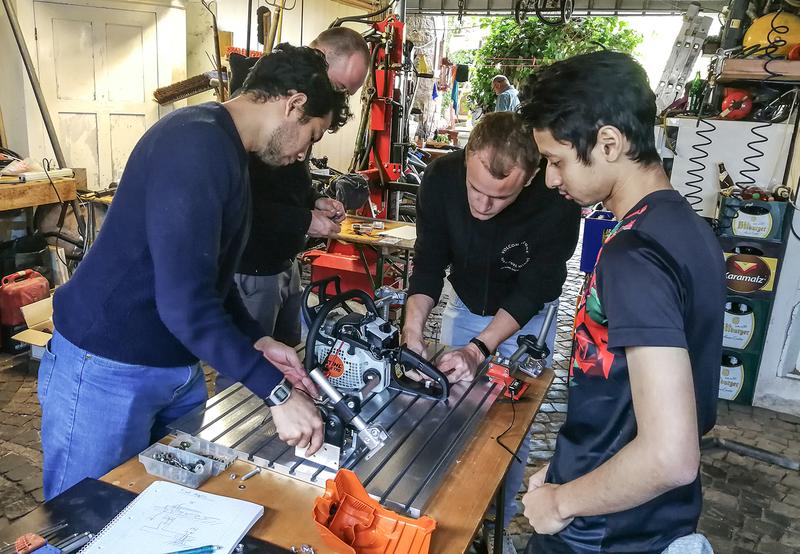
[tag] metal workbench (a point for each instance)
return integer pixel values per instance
(426, 438)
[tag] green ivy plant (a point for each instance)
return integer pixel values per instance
(546, 43)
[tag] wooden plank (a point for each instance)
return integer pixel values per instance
(3, 137)
(753, 70)
(35, 193)
(367, 5)
(80, 178)
(458, 506)
(374, 238)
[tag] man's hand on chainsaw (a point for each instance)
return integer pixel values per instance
(415, 343)
(285, 358)
(418, 345)
(298, 423)
(461, 364)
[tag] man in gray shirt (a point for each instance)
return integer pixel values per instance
(507, 95)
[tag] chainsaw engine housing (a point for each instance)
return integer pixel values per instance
(351, 348)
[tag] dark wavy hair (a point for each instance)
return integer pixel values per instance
(290, 69)
(574, 98)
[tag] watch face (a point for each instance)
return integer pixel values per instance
(281, 394)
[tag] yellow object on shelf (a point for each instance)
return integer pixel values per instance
(761, 33)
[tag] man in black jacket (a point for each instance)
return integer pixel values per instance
(486, 213)
(286, 209)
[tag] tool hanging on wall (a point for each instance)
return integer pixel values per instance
(264, 24)
(217, 56)
(182, 89)
(277, 23)
(3, 138)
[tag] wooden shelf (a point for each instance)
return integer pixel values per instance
(753, 70)
(36, 193)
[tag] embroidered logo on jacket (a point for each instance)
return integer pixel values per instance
(515, 256)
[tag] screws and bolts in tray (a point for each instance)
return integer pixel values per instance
(171, 459)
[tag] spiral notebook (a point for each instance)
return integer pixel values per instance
(167, 517)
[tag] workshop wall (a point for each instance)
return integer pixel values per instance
(12, 103)
(92, 131)
(301, 24)
(199, 45)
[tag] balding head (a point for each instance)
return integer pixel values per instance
(347, 54)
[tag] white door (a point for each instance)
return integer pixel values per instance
(98, 68)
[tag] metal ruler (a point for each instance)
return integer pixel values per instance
(425, 439)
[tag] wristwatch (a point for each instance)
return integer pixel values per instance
(279, 395)
(481, 346)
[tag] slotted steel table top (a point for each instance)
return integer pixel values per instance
(425, 439)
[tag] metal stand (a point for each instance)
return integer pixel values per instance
(712, 443)
(499, 510)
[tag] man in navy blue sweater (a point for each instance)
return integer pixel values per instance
(156, 292)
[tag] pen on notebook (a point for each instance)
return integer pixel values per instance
(79, 542)
(210, 549)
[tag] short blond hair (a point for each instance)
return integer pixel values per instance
(510, 142)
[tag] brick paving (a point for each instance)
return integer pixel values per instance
(20, 444)
(750, 506)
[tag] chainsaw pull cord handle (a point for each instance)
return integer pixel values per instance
(412, 360)
(322, 313)
(321, 286)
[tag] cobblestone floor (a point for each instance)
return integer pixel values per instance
(750, 506)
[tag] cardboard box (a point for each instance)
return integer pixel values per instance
(39, 318)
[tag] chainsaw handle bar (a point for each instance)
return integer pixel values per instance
(321, 286)
(411, 360)
(321, 313)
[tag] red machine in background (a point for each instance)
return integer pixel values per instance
(379, 156)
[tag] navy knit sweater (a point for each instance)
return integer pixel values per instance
(156, 288)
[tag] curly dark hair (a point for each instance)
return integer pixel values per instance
(574, 98)
(289, 69)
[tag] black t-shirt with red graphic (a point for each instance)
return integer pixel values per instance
(659, 281)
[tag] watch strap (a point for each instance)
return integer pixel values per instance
(481, 346)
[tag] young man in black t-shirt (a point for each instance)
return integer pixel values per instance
(648, 332)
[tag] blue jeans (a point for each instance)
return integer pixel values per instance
(459, 325)
(97, 413)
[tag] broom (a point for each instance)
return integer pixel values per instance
(182, 89)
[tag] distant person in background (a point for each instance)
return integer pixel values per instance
(507, 95)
